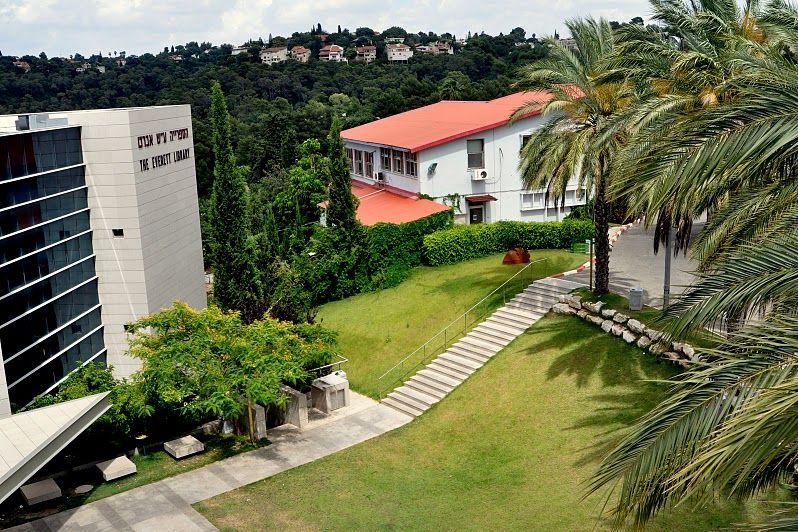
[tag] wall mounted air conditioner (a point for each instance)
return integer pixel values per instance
(379, 176)
(478, 175)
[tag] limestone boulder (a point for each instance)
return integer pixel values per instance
(575, 302)
(658, 348)
(654, 334)
(595, 320)
(689, 351)
(563, 308)
(635, 326)
(594, 307)
(629, 337)
(582, 314)
(606, 325)
(608, 313)
(620, 318)
(617, 329)
(643, 342)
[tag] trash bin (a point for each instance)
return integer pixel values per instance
(636, 298)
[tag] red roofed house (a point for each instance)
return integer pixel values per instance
(300, 53)
(398, 52)
(331, 52)
(274, 55)
(366, 53)
(463, 154)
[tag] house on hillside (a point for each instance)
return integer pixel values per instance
(435, 48)
(366, 53)
(462, 154)
(398, 53)
(239, 50)
(271, 56)
(24, 65)
(394, 40)
(300, 54)
(332, 52)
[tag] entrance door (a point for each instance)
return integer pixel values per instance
(476, 214)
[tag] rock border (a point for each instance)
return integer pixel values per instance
(631, 330)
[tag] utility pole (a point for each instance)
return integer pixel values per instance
(666, 289)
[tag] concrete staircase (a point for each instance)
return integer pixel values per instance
(470, 353)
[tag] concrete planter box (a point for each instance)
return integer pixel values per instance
(42, 491)
(116, 468)
(182, 447)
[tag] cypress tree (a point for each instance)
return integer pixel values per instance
(342, 207)
(236, 283)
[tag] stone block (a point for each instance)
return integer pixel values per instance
(596, 320)
(330, 392)
(658, 348)
(677, 346)
(296, 410)
(617, 329)
(689, 352)
(629, 337)
(575, 302)
(563, 298)
(42, 491)
(654, 334)
(582, 314)
(182, 447)
(635, 326)
(212, 427)
(608, 313)
(620, 318)
(594, 307)
(643, 342)
(562, 308)
(606, 325)
(116, 468)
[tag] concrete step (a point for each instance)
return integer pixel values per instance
(417, 395)
(423, 384)
(436, 375)
(493, 344)
(536, 297)
(464, 351)
(450, 370)
(532, 306)
(488, 336)
(402, 407)
(564, 284)
(458, 360)
(508, 323)
(495, 332)
(408, 400)
(523, 316)
(480, 347)
(545, 289)
(503, 326)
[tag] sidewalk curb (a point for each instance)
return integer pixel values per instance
(613, 239)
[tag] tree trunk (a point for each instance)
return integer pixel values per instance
(601, 212)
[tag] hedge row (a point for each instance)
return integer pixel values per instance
(394, 249)
(464, 242)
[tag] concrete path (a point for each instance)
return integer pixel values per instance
(166, 505)
(633, 263)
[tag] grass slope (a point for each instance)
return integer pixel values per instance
(511, 448)
(378, 329)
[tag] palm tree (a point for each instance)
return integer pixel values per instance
(577, 141)
(730, 424)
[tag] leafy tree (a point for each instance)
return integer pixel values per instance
(454, 86)
(236, 283)
(576, 144)
(210, 363)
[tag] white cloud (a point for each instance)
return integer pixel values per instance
(60, 27)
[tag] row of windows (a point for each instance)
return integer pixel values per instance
(25, 216)
(25, 243)
(38, 151)
(47, 319)
(361, 162)
(16, 192)
(21, 392)
(27, 270)
(44, 290)
(399, 162)
(537, 200)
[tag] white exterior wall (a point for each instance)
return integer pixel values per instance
(399, 54)
(159, 259)
(502, 156)
(400, 181)
(271, 58)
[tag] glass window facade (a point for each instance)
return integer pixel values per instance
(50, 320)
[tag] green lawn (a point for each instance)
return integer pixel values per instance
(378, 329)
(511, 448)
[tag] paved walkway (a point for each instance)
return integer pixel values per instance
(633, 263)
(166, 505)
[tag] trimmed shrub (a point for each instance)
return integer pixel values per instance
(394, 249)
(464, 242)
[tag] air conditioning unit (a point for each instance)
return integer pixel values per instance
(379, 176)
(478, 175)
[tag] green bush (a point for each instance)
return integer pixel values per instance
(464, 242)
(395, 249)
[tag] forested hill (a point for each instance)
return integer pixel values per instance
(275, 107)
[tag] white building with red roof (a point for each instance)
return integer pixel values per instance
(398, 52)
(273, 55)
(300, 54)
(463, 154)
(332, 52)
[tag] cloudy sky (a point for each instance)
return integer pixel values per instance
(63, 27)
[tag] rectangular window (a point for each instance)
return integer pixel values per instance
(368, 158)
(524, 141)
(411, 164)
(385, 156)
(350, 155)
(358, 162)
(398, 162)
(532, 200)
(476, 153)
(118, 233)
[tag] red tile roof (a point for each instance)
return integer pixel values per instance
(380, 205)
(442, 122)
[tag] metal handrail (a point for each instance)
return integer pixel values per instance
(341, 360)
(463, 317)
